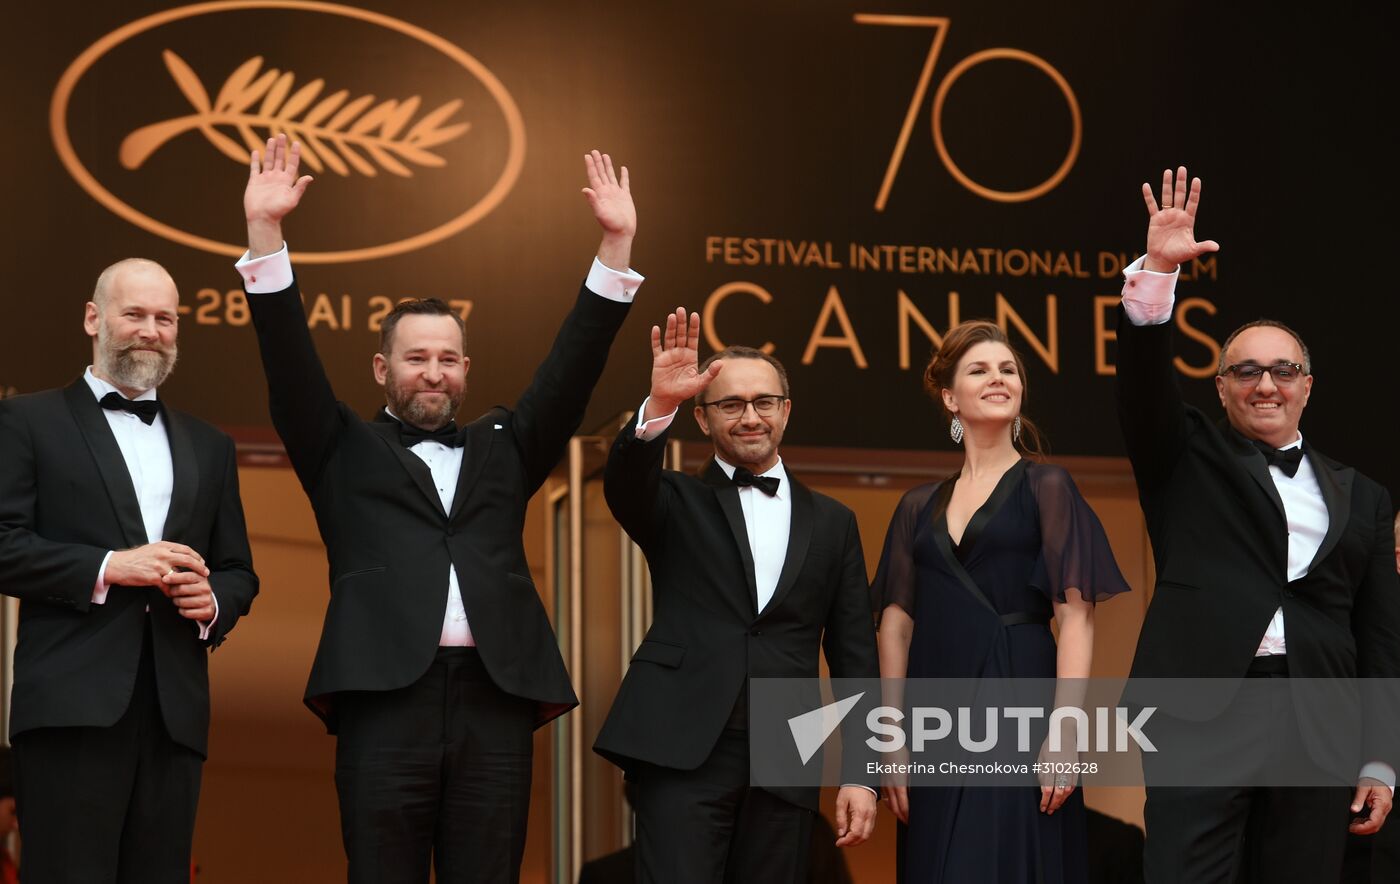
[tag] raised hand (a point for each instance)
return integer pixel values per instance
(274, 190)
(675, 374)
(1171, 229)
(610, 198)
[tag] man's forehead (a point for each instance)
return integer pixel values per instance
(145, 286)
(746, 375)
(1264, 344)
(416, 332)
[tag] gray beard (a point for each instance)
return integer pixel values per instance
(130, 369)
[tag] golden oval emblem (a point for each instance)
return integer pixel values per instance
(342, 133)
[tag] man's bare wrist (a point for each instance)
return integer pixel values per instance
(659, 408)
(615, 251)
(264, 237)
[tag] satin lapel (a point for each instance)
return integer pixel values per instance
(1335, 482)
(110, 463)
(799, 539)
(728, 497)
(185, 489)
(1253, 463)
(388, 430)
(476, 446)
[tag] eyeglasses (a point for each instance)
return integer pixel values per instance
(763, 406)
(1249, 373)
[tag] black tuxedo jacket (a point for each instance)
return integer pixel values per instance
(66, 500)
(388, 541)
(706, 639)
(1220, 542)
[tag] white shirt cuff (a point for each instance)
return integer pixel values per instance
(615, 285)
(863, 786)
(205, 628)
(99, 592)
(1379, 770)
(648, 430)
(270, 273)
(1148, 296)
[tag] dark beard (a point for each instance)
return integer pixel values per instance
(412, 410)
(420, 415)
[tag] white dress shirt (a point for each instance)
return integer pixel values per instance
(273, 273)
(1306, 512)
(445, 463)
(1148, 299)
(145, 449)
(768, 520)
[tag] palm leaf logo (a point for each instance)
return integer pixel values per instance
(335, 131)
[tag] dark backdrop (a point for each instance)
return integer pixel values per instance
(748, 121)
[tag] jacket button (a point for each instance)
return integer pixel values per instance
(756, 632)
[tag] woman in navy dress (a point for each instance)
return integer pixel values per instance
(974, 568)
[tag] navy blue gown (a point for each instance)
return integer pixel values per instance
(982, 609)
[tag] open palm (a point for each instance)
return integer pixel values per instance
(274, 188)
(1171, 228)
(610, 196)
(675, 374)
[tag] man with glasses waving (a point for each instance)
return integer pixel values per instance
(1273, 561)
(752, 573)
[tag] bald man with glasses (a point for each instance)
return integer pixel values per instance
(1273, 562)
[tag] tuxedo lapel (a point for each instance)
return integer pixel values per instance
(185, 488)
(97, 433)
(1253, 463)
(476, 446)
(728, 496)
(388, 430)
(1335, 482)
(799, 539)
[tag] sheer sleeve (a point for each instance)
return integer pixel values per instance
(1074, 547)
(894, 579)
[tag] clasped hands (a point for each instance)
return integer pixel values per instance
(175, 569)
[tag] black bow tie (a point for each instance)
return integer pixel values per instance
(447, 435)
(146, 409)
(1286, 460)
(767, 484)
